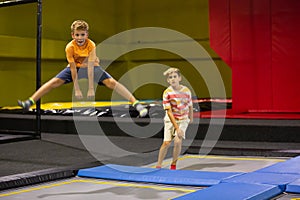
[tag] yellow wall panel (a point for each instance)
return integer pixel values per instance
(106, 18)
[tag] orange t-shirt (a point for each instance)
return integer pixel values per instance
(81, 54)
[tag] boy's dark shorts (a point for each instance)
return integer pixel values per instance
(99, 74)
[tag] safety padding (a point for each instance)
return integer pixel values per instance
(234, 191)
(36, 177)
(293, 187)
(288, 167)
(151, 175)
(280, 180)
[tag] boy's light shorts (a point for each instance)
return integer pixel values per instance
(169, 130)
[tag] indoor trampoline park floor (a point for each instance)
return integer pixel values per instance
(58, 166)
(128, 186)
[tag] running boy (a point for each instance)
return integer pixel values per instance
(83, 63)
(177, 102)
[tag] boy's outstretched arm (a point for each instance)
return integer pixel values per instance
(91, 91)
(73, 69)
(91, 62)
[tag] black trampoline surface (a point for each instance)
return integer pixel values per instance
(67, 150)
(60, 150)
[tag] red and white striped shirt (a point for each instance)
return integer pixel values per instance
(179, 101)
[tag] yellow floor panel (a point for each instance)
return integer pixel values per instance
(85, 186)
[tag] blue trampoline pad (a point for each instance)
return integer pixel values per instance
(160, 176)
(293, 187)
(280, 180)
(234, 191)
(288, 167)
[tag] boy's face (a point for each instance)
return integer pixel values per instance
(80, 36)
(174, 79)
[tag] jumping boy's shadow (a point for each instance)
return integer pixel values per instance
(207, 165)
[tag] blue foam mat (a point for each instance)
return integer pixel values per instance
(288, 167)
(293, 187)
(234, 191)
(161, 176)
(280, 180)
(265, 183)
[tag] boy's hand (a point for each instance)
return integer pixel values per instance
(179, 133)
(91, 94)
(78, 94)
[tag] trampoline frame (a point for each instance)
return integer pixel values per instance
(38, 52)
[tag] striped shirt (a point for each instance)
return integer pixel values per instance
(178, 101)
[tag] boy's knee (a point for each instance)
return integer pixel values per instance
(166, 144)
(110, 83)
(177, 141)
(56, 82)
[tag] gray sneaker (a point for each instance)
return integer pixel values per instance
(142, 110)
(25, 104)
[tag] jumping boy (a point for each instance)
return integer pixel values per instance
(83, 63)
(177, 102)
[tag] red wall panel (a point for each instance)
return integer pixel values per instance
(262, 54)
(285, 54)
(242, 54)
(219, 15)
(259, 40)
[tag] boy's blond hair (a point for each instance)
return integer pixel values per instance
(79, 25)
(172, 70)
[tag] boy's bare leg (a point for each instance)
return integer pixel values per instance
(176, 151)
(162, 153)
(47, 87)
(124, 92)
(44, 89)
